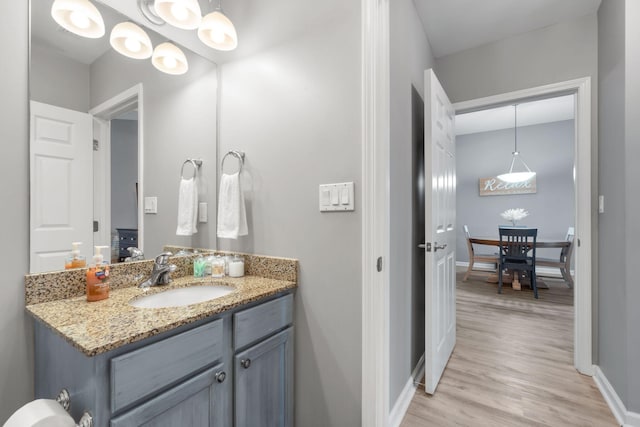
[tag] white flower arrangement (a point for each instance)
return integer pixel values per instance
(514, 215)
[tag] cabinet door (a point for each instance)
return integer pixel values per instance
(264, 383)
(198, 402)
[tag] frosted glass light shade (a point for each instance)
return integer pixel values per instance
(78, 16)
(513, 177)
(130, 40)
(169, 59)
(183, 14)
(217, 31)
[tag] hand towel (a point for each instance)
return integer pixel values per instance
(187, 207)
(232, 216)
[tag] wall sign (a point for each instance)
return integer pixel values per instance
(496, 187)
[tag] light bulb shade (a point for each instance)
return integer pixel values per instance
(130, 40)
(514, 177)
(217, 31)
(79, 17)
(169, 59)
(183, 14)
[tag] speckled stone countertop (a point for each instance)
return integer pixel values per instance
(97, 327)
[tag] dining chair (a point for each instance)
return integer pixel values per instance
(518, 253)
(564, 261)
(475, 257)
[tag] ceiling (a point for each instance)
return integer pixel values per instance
(529, 113)
(456, 25)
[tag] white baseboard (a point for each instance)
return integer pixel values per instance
(540, 271)
(623, 417)
(404, 400)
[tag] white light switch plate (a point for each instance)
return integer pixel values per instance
(151, 205)
(336, 197)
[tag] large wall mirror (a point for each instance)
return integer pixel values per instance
(109, 137)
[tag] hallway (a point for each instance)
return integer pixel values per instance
(512, 364)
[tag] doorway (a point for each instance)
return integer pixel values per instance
(118, 187)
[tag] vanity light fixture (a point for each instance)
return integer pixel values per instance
(183, 14)
(169, 59)
(79, 17)
(130, 40)
(217, 31)
(512, 176)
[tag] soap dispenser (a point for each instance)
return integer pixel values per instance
(98, 277)
(75, 260)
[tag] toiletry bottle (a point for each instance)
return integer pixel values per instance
(98, 277)
(75, 260)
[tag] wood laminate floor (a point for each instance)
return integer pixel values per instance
(512, 364)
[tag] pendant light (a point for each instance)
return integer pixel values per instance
(131, 41)
(169, 59)
(217, 31)
(183, 14)
(511, 176)
(79, 17)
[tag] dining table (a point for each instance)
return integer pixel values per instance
(540, 244)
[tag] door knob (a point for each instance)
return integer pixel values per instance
(437, 246)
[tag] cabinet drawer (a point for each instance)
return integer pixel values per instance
(142, 372)
(258, 322)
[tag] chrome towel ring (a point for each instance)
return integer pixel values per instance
(196, 163)
(238, 155)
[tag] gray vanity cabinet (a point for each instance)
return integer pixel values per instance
(263, 389)
(199, 401)
(263, 364)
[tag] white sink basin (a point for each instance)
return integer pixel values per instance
(182, 296)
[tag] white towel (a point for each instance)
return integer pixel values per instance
(187, 207)
(232, 216)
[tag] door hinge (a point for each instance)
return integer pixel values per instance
(96, 226)
(96, 145)
(379, 264)
(578, 242)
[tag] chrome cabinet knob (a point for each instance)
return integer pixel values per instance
(245, 363)
(221, 376)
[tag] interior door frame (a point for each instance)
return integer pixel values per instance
(111, 108)
(582, 296)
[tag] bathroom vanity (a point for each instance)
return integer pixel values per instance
(224, 362)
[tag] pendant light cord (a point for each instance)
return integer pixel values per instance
(515, 128)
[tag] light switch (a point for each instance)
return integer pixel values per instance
(325, 195)
(600, 204)
(336, 197)
(202, 212)
(151, 205)
(344, 196)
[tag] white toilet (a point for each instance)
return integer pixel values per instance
(47, 413)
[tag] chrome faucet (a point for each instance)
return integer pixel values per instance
(160, 272)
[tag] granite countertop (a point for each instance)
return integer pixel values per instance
(97, 327)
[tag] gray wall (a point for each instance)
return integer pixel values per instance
(124, 174)
(548, 150)
(619, 68)
(632, 176)
(612, 328)
(410, 55)
(16, 334)
(58, 80)
(179, 123)
(295, 110)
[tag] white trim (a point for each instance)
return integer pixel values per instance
(109, 109)
(375, 215)
(583, 147)
(623, 417)
(406, 396)
(485, 266)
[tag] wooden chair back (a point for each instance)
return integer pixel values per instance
(518, 244)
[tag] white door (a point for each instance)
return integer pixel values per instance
(440, 224)
(61, 185)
